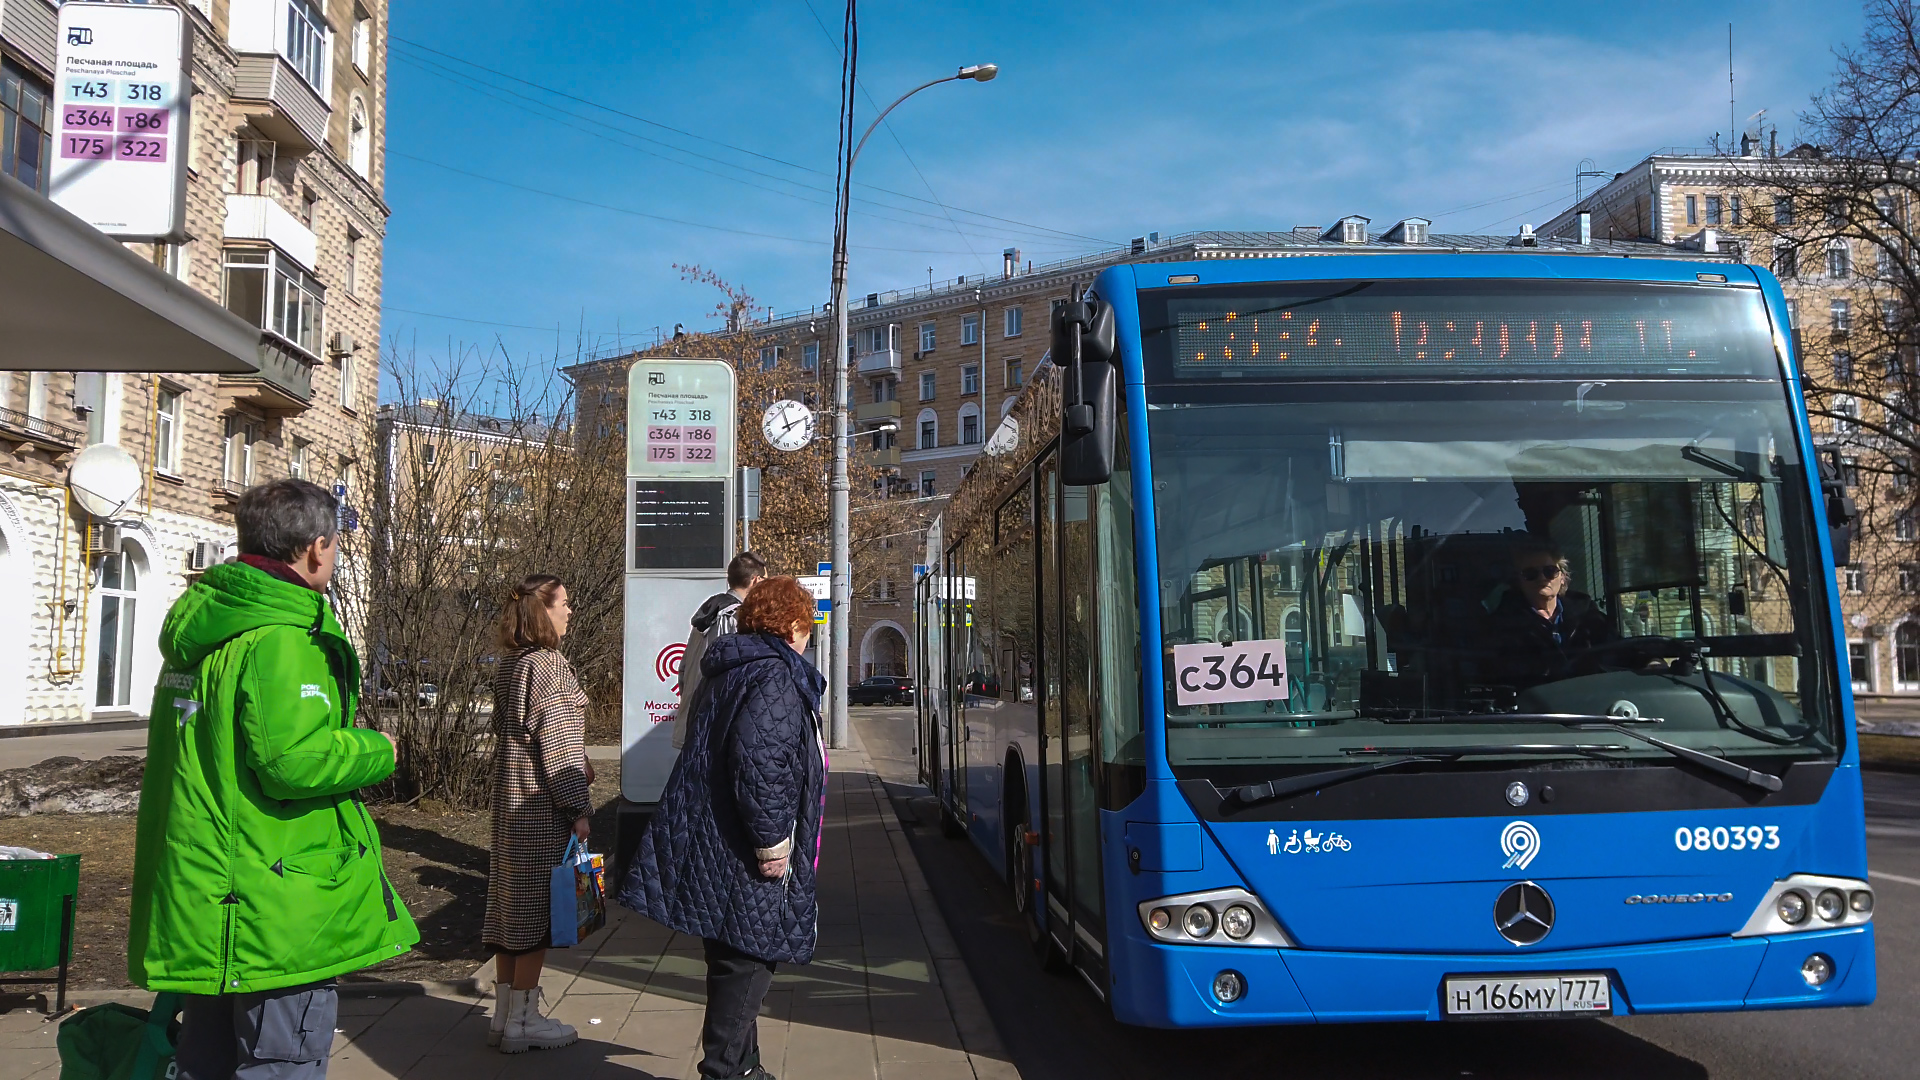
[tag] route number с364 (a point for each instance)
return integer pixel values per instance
(1210, 674)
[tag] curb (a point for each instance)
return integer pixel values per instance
(978, 1038)
(71, 727)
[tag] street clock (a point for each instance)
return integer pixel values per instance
(788, 425)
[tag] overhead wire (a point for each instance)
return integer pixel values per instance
(1063, 233)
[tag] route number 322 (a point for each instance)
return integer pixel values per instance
(1210, 673)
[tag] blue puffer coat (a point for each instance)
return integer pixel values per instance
(750, 783)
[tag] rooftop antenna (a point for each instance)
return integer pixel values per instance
(1733, 122)
(1587, 168)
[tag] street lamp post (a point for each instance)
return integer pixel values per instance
(838, 496)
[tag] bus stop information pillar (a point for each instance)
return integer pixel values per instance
(680, 511)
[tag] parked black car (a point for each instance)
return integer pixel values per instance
(882, 690)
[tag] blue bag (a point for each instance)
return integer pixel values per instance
(578, 904)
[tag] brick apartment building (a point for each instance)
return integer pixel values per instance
(1724, 204)
(936, 368)
(285, 221)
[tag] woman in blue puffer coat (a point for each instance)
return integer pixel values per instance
(731, 854)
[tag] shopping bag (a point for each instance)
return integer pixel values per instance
(119, 1042)
(578, 904)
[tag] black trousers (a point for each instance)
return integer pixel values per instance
(736, 985)
(267, 1035)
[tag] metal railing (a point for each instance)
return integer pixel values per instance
(39, 427)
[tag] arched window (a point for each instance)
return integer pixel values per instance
(1906, 648)
(359, 138)
(119, 584)
(1839, 259)
(1007, 405)
(928, 435)
(970, 424)
(1846, 414)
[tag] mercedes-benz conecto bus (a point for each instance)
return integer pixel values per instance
(1408, 637)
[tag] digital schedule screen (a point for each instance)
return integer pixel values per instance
(1474, 328)
(679, 524)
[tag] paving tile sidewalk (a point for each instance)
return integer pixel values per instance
(886, 996)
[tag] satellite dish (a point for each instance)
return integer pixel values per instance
(105, 479)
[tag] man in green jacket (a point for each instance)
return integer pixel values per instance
(257, 875)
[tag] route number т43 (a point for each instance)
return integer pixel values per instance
(1210, 673)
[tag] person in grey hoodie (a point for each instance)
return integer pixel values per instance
(715, 619)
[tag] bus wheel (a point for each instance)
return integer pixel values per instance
(1026, 900)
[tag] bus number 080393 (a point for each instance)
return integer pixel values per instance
(1211, 673)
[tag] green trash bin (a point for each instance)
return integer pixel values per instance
(37, 901)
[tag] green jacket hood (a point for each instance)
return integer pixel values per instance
(231, 599)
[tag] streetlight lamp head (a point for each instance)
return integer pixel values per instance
(980, 72)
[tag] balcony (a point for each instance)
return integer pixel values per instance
(284, 383)
(279, 103)
(24, 430)
(872, 412)
(884, 459)
(258, 217)
(879, 362)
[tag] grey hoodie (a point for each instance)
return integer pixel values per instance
(715, 618)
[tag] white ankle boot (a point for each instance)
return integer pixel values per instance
(497, 1023)
(527, 1029)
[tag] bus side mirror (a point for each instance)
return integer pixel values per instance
(1841, 510)
(1083, 346)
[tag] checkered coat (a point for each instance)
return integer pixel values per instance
(539, 789)
(750, 784)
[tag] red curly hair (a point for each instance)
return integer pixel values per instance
(777, 606)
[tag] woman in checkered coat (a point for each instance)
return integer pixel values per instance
(539, 799)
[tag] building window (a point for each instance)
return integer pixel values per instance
(1890, 315)
(362, 41)
(297, 460)
(473, 459)
(306, 43)
(1013, 322)
(926, 483)
(274, 293)
(26, 126)
(1013, 374)
(1856, 578)
(237, 466)
(1906, 642)
(1885, 207)
(354, 241)
(1786, 261)
(1836, 212)
(347, 380)
(926, 385)
(166, 431)
(927, 337)
(359, 139)
(1839, 260)
(1783, 209)
(1903, 525)
(429, 453)
(929, 433)
(810, 356)
(1841, 313)
(254, 171)
(1909, 577)
(1900, 472)
(1846, 415)
(1713, 209)
(1843, 367)
(769, 357)
(970, 428)
(1734, 207)
(1693, 209)
(884, 390)
(970, 380)
(970, 329)
(1861, 663)
(119, 585)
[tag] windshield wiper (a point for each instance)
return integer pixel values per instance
(1287, 787)
(1596, 722)
(1519, 718)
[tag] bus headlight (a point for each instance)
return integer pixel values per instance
(1216, 917)
(1816, 970)
(1229, 986)
(1790, 904)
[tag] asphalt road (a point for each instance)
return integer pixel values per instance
(1054, 1026)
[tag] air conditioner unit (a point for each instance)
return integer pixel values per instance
(103, 537)
(204, 554)
(342, 343)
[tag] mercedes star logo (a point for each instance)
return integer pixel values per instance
(1524, 913)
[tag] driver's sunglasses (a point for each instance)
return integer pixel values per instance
(1540, 573)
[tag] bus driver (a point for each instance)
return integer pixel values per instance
(1540, 629)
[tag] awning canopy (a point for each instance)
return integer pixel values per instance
(74, 299)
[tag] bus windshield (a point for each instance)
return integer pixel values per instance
(1364, 568)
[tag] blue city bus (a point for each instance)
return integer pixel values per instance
(1408, 636)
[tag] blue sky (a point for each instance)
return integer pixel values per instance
(1107, 122)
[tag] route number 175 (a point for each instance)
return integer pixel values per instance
(1209, 673)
